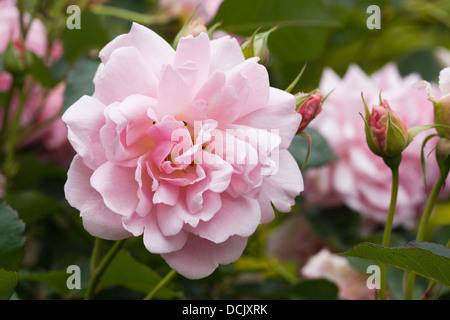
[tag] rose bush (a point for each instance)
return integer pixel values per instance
(180, 146)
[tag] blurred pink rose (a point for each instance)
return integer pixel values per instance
(36, 40)
(294, 240)
(160, 151)
(41, 118)
(360, 179)
(206, 9)
(351, 283)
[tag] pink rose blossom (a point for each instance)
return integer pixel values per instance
(360, 179)
(160, 151)
(351, 283)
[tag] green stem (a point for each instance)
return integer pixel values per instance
(161, 284)
(102, 267)
(388, 229)
(130, 15)
(95, 255)
(11, 143)
(409, 289)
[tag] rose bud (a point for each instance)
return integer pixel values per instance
(309, 108)
(386, 133)
(16, 58)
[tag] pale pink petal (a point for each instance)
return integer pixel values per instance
(444, 81)
(98, 220)
(200, 257)
(279, 115)
(168, 218)
(119, 197)
(286, 184)
(150, 45)
(125, 73)
(145, 192)
(225, 54)
(166, 193)
(84, 120)
(174, 95)
(238, 216)
(194, 50)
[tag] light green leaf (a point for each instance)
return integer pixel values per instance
(8, 282)
(427, 259)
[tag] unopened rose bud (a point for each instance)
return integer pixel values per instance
(16, 58)
(257, 46)
(386, 133)
(309, 108)
(195, 27)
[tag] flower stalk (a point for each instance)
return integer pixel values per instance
(102, 266)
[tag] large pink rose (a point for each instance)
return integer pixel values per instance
(187, 148)
(360, 179)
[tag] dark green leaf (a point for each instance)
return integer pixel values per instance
(41, 73)
(32, 205)
(338, 227)
(127, 272)
(427, 259)
(80, 81)
(11, 238)
(320, 153)
(57, 280)
(8, 283)
(91, 36)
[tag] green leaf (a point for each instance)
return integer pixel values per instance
(32, 205)
(91, 36)
(80, 81)
(303, 26)
(427, 259)
(57, 280)
(8, 283)
(11, 238)
(41, 73)
(125, 271)
(320, 152)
